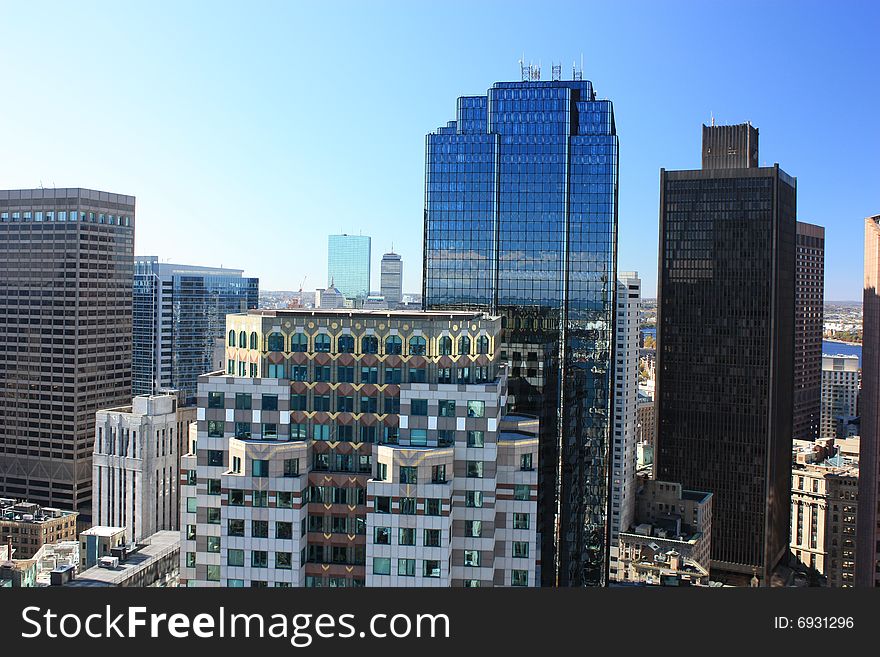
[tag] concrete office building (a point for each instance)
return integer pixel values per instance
(371, 448)
(66, 267)
(136, 464)
(725, 335)
(808, 327)
(27, 527)
(391, 279)
(348, 265)
(868, 559)
(824, 515)
(840, 392)
(179, 311)
(625, 424)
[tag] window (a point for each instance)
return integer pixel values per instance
(406, 567)
(215, 428)
(444, 375)
(191, 478)
(345, 344)
(472, 558)
(408, 474)
(260, 468)
(259, 559)
(321, 461)
(299, 372)
(433, 506)
(213, 486)
(291, 467)
(525, 461)
(283, 530)
(447, 408)
(382, 536)
(473, 528)
(322, 373)
(471, 583)
(406, 536)
(381, 472)
(270, 402)
(522, 492)
(475, 439)
(275, 342)
(298, 431)
(212, 515)
(432, 538)
(519, 577)
(408, 506)
(235, 527)
(260, 528)
(417, 346)
(322, 343)
(322, 403)
(444, 346)
(321, 431)
(476, 409)
(299, 342)
(270, 430)
(381, 566)
(215, 457)
(231, 341)
(417, 375)
(235, 557)
(473, 499)
(418, 407)
(393, 345)
(383, 504)
(242, 340)
(520, 520)
(243, 430)
(190, 559)
(464, 345)
(261, 498)
(445, 437)
(191, 504)
(369, 375)
(284, 499)
(344, 374)
(393, 375)
(369, 404)
(243, 401)
(254, 341)
(283, 560)
(438, 474)
(213, 573)
(431, 568)
(369, 344)
(230, 366)
(520, 550)
(475, 469)
(344, 404)
(418, 437)
(216, 400)
(298, 402)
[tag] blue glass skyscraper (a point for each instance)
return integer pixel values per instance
(521, 220)
(179, 312)
(348, 265)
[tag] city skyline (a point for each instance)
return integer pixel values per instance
(168, 107)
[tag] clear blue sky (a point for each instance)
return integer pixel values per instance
(249, 131)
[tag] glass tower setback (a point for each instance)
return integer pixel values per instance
(521, 220)
(348, 265)
(179, 313)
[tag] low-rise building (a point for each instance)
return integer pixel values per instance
(153, 562)
(30, 526)
(98, 542)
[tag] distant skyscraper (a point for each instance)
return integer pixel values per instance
(521, 221)
(66, 265)
(625, 434)
(348, 265)
(179, 312)
(868, 532)
(391, 281)
(840, 391)
(725, 333)
(809, 324)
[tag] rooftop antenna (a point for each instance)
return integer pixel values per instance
(577, 74)
(712, 118)
(556, 75)
(524, 71)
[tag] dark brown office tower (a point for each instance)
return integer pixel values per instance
(809, 283)
(868, 521)
(725, 333)
(66, 268)
(730, 146)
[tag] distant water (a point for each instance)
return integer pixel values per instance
(828, 348)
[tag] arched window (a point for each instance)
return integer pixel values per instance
(242, 340)
(444, 346)
(299, 342)
(369, 344)
(483, 344)
(254, 341)
(393, 345)
(417, 346)
(345, 344)
(322, 342)
(276, 342)
(232, 338)
(464, 345)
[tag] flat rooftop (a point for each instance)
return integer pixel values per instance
(160, 544)
(360, 312)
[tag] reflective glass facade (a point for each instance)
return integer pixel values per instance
(348, 265)
(179, 313)
(521, 220)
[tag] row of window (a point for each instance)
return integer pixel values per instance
(345, 344)
(63, 215)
